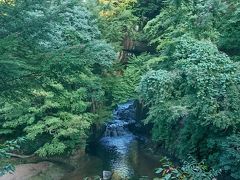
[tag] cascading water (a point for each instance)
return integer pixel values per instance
(118, 140)
(118, 151)
(123, 116)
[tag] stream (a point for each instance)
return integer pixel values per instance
(119, 150)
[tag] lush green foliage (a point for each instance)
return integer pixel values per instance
(124, 87)
(51, 75)
(197, 97)
(191, 169)
(230, 28)
(57, 74)
(193, 94)
(230, 156)
(115, 19)
(4, 149)
(195, 18)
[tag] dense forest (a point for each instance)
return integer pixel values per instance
(65, 65)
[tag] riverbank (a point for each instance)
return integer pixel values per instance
(119, 150)
(34, 171)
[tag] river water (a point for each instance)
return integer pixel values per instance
(120, 150)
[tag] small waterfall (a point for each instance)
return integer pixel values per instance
(119, 150)
(123, 116)
(117, 139)
(116, 129)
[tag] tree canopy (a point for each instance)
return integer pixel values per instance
(62, 69)
(52, 58)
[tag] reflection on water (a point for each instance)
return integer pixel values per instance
(116, 144)
(88, 166)
(129, 160)
(132, 165)
(116, 153)
(119, 150)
